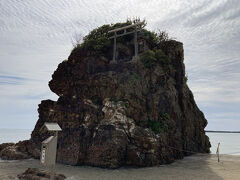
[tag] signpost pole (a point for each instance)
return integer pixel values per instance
(52, 171)
(218, 152)
(49, 148)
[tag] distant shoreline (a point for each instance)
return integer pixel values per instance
(210, 131)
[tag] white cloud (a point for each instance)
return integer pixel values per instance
(35, 36)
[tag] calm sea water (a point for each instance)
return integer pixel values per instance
(14, 135)
(229, 143)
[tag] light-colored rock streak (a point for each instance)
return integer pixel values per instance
(115, 114)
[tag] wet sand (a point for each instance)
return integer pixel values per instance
(192, 167)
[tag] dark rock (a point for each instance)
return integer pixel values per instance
(4, 145)
(28, 147)
(123, 114)
(11, 153)
(20, 150)
(36, 174)
(129, 113)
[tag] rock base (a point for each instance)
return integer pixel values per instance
(36, 174)
(21, 150)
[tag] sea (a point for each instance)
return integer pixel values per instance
(229, 142)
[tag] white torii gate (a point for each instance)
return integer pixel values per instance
(137, 28)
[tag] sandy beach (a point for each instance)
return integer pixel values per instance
(200, 166)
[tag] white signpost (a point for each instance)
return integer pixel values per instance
(49, 147)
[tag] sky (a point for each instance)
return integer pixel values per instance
(35, 36)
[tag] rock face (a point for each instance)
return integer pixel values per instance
(20, 150)
(36, 174)
(137, 112)
(123, 114)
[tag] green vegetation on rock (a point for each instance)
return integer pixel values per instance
(151, 57)
(98, 41)
(156, 38)
(96, 100)
(186, 78)
(161, 125)
(157, 126)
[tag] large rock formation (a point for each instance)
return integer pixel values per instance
(137, 112)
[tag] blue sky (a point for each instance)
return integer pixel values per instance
(35, 36)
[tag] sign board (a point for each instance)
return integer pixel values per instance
(43, 156)
(51, 126)
(48, 151)
(49, 147)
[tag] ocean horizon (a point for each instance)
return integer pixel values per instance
(229, 142)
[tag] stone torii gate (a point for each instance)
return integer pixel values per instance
(137, 27)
